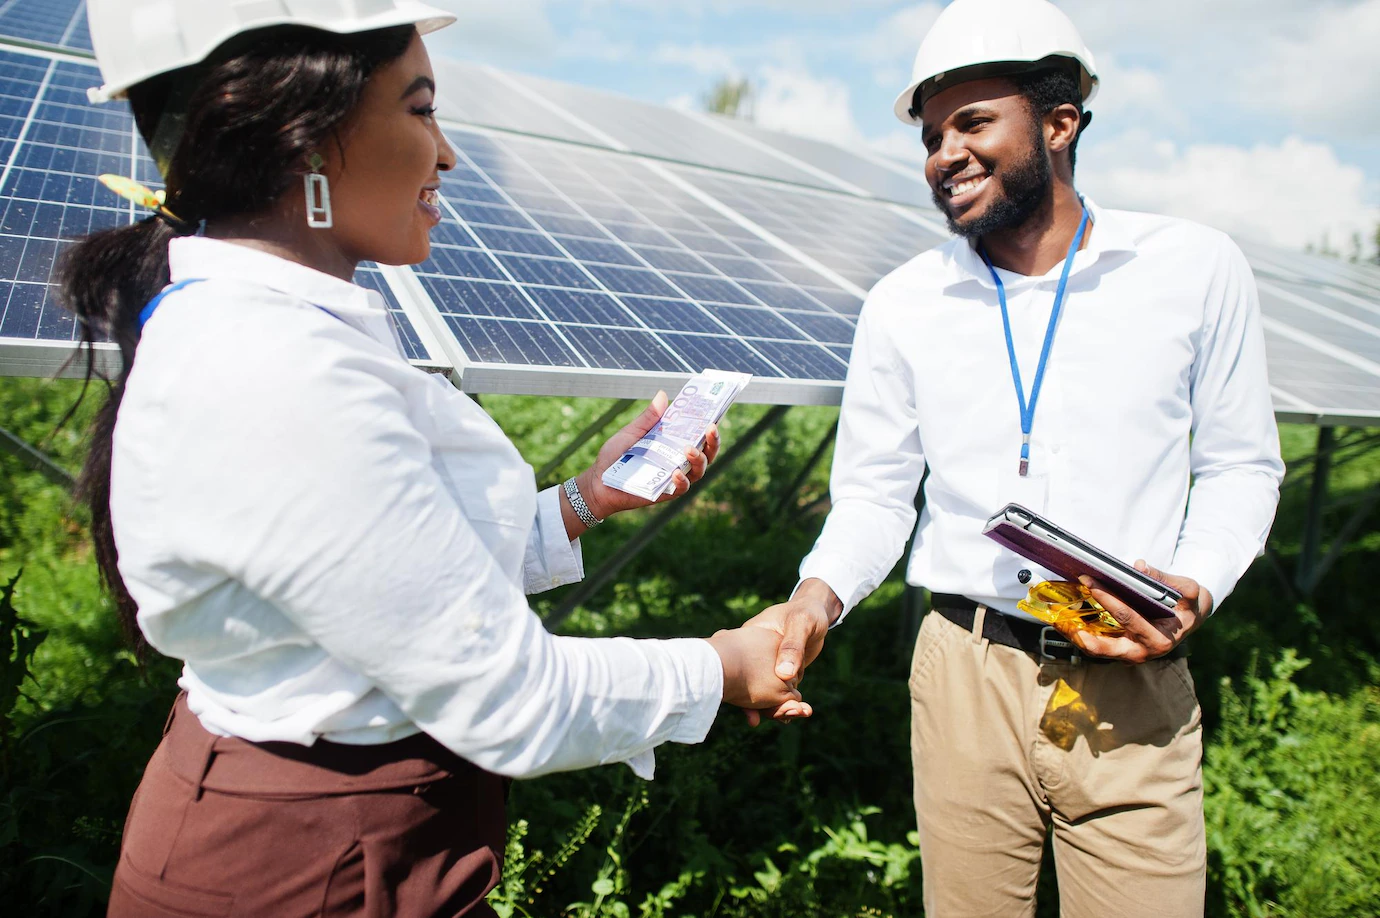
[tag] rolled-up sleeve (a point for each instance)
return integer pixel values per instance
(552, 558)
(352, 534)
(1235, 456)
(878, 464)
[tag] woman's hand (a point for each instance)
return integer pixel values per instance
(604, 501)
(748, 656)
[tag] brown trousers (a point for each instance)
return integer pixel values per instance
(223, 827)
(1122, 789)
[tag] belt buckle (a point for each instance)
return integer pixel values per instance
(1051, 639)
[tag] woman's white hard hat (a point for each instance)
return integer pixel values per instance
(139, 39)
(972, 39)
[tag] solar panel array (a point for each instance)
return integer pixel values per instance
(598, 245)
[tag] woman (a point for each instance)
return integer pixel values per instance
(336, 544)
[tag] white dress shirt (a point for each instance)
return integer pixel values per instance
(1156, 379)
(338, 545)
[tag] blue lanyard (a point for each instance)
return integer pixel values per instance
(147, 312)
(1028, 410)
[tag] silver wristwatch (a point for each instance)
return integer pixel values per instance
(577, 503)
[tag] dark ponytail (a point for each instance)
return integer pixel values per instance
(252, 115)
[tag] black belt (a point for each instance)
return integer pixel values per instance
(1040, 641)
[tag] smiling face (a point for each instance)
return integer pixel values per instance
(385, 188)
(989, 164)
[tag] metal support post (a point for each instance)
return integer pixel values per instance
(1365, 507)
(35, 459)
(1312, 528)
(584, 436)
(789, 495)
(648, 533)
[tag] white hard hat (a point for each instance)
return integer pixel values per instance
(976, 38)
(139, 39)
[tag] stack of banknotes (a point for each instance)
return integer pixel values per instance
(646, 469)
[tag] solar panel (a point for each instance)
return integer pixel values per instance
(860, 240)
(868, 173)
(665, 133)
(555, 256)
(60, 23)
(485, 96)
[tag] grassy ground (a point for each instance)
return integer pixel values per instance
(809, 820)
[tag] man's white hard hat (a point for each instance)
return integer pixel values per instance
(972, 39)
(139, 39)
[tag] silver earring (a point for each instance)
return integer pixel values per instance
(319, 215)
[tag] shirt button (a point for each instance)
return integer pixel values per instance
(1055, 449)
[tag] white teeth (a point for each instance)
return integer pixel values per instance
(431, 196)
(965, 187)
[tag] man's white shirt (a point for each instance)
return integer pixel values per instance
(1154, 436)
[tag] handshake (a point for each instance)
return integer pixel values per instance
(764, 659)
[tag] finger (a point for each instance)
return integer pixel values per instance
(790, 656)
(711, 443)
(753, 717)
(1111, 648)
(1132, 621)
(1184, 585)
(699, 463)
(679, 485)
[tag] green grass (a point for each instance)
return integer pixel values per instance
(812, 819)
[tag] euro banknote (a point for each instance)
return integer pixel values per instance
(647, 469)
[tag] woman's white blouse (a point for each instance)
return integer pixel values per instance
(338, 545)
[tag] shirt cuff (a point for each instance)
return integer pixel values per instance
(839, 575)
(1209, 568)
(703, 693)
(552, 559)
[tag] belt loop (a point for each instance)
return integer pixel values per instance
(979, 622)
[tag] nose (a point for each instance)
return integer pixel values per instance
(445, 153)
(951, 155)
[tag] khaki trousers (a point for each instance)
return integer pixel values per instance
(1124, 800)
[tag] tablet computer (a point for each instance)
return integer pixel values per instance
(1032, 536)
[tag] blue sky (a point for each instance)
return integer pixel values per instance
(1257, 116)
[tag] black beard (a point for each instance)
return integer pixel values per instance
(1022, 189)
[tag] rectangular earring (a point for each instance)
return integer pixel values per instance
(318, 190)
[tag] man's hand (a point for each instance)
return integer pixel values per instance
(748, 655)
(801, 624)
(604, 501)
(1146, 639)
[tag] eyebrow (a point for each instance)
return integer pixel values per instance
(967, 111)
(422, 82)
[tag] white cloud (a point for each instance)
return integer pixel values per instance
(1287, 194)
(1327, 73)
(890, 48)
(706, 60)
(794, 101)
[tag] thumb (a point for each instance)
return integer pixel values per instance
(649, 416)
(790, 656)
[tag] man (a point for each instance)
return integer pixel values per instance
(1093, 399)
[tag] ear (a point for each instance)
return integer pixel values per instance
(1062, 127)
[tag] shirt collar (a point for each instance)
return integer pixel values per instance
(200, 258)
(1109, 238)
